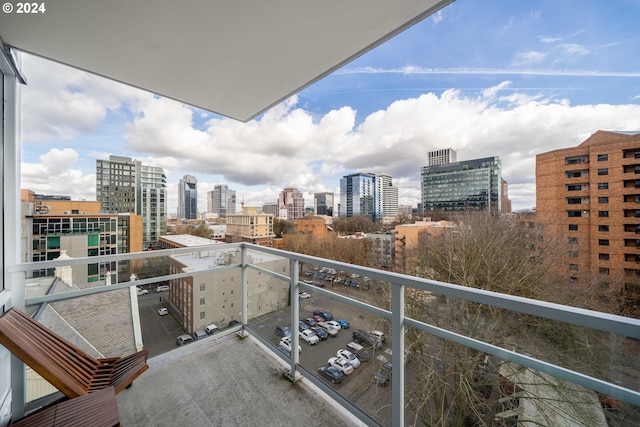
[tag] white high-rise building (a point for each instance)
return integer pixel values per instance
(442, 157)
(386, 197)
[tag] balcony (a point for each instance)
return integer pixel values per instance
(550, 366)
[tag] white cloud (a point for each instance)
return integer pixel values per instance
(60, 102)
(528, 58)
(54, 174)
(290, 146)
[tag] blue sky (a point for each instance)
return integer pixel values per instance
(497, 77)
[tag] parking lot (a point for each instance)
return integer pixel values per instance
(358, 387)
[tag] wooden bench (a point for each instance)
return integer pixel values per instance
(65, 366)
(97, 409)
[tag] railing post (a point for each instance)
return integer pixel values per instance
(397, 349)
(18, 389)
(245, 287)
(294, 269)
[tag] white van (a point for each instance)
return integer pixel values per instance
(211, 329)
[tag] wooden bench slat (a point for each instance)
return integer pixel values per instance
(65, 366)
(99, 409)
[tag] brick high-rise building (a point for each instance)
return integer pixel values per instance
(590, 194)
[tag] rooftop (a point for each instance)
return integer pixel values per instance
(228, 381)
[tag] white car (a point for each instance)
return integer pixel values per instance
(141, 291)
(342, 365)
(334, 324)
(163, 311)
(309, 336)
(379, 335)
(346, 354)
(286, 343)
(330, 329)
(162, 288)
(304, 295)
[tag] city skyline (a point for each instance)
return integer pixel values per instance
(530, 78)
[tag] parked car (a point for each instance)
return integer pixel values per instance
(333, 332)
(211, 329)
(233, 323)
(362, 354)
(309, 336)
(282, 331)
(383, 377)
(343, 323)
(346, 354)
(199, 334)
(302, 326)
(284, 350)
(324, 314)
(141, 291)
(331, 373)
(321, 333)
(366, 339)
(286, 343)
(184, 339)
(308, 273)
(162, 288)
(318, 319)
(304, 295)
(163, 311)
(334, 324)
(378, 334)
(341, 364)
(310, 321)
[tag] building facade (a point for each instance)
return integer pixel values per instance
(250, 226)
(370, 195)
(323, 204)
(471, 185)
(188, 197)
(221, 201)
(124, 185)
(590, 195)
(215, 297)
(386, 198)
(442, 157)
(293, 201)
(357, 195)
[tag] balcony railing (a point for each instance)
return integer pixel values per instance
(403, 306)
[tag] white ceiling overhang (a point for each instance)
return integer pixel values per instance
(236, 58)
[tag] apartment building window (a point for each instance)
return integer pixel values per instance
(603, 214)
(603, 157)
(201, 301)
(603, 171)
(603, 200)
(603, 186)
(574, 200)
(573, 227)
(201, 287)
(573, 240)
(603, 228)
(575, 187)
(573, 254)
(603, 242)
(202, 315)
(574, 214)
(603, 257)
(603, 270)
(573, 267)
(574, 174)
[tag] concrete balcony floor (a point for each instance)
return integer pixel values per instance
(225, 382)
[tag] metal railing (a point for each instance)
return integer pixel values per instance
(399, 284)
